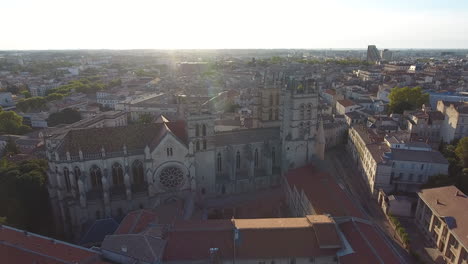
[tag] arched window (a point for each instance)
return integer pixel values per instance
(270, 114)
(197, 144)
(309, 111)
(204, 130)
(66, 175)
(77, 173)
(96, 176)
(277, 98)
(238, 160)
(138, 172)
(204, 144)
(271, 99)
(197, 130)
(219, 164)
(117, 174)
(256, 158)
(301, 111)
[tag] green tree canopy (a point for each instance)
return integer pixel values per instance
(145, 119)
(23, 195)
(11, 147)
(33, 104)
(66, 116)
(462, 151)
(12, 123)
(406, 98)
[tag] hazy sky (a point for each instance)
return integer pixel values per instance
(135, 24)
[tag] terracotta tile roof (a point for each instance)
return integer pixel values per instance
(318, 186)
(330, 92)
(279, 243)
(18, 246)
(257, 238)
(346, 102)
(367, 245)
(144, 248)
(451, 205)
(195, 244)
(136, 221)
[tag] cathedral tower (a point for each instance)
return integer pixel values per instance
(299, 121)
(200, 133)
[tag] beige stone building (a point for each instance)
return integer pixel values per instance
(441, 215)
(455, 124)
(391, 162)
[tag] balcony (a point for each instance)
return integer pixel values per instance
(454, 249)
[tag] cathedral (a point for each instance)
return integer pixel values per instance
(106, 172)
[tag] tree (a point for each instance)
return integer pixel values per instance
(406, 98)
(439, 180)
(11, 146)
(54, 96)
(23, 195)
(33, 104)
(12, 123)
(462, 151)
(26, 94)
(145, 119)
(66, 116)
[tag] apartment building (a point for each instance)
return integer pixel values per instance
(346, 106)
(441, 215)
(455, 124)
(426, 124)
(391, 162)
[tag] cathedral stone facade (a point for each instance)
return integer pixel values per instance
(107, 172)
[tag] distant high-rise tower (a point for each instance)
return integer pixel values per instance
(386, 55)
(373, 55)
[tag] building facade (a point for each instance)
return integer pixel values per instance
(391, 163)
(455, 124)
(107, 172)
(441, 216)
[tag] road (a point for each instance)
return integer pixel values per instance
(340, 164)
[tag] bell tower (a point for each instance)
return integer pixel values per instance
(201, 138)
(299, 121)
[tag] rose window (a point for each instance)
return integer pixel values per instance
(171, 177)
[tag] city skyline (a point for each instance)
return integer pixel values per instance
(336, 24)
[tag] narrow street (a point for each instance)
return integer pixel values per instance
(340, 164)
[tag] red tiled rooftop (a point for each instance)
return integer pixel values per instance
(17, 246)
(323, 192)
(346, 102)
(330, 91)
(136, 221)
(367, 245)
(192, 240)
